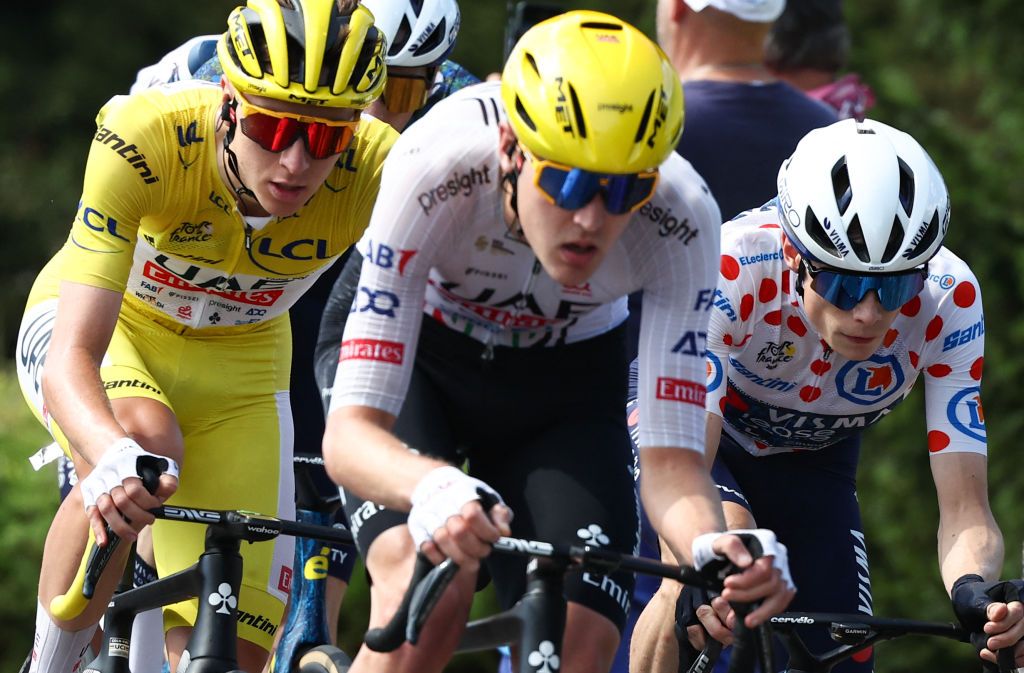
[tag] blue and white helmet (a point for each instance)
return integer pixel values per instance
(419, 32)
(863, 196)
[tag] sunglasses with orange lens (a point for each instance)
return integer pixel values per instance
(275, 131)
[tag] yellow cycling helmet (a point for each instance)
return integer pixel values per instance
(315, 52)
(590, 91)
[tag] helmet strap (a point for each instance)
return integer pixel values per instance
(227, 115)
(798, 285)
(510, 184)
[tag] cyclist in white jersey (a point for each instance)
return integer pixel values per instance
(833, 300)
(488, 321)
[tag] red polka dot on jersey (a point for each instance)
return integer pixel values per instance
(819, 367)
(768, 290)
(721, 405)
(746, 306)
(730, 267)
(964, 294)
(810, 393)
(769, 226)
(911, 308)
(796, 325)
(976, 369)
(933, 329)
(937, 441)
(914, 357)
(938, 371)
(773, 318)
(727, 339)
(890, 338)
(785, 282)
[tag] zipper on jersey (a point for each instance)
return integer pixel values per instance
(488, 353)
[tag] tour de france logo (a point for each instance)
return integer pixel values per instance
(868, 382)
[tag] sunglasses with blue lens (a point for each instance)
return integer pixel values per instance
(572, 188)
(846, 289)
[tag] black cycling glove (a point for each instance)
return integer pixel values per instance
(971, 597)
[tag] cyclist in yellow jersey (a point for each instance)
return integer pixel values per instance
(160, 326)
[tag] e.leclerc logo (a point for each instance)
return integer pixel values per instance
(868, 382)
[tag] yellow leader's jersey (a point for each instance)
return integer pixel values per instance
(157, 222)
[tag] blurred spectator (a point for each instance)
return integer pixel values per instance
(808, 46)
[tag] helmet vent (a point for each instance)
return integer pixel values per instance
(927, 239)
(841, 185)
(524, 115)
(401, 37)
(600, 25)
(577, 111)
(417, 7)
(643, 119)
(533, 63)
(906, 187)
(362, 62)
(431, 42)
(855, 234)
(895, 239)
(818, 233)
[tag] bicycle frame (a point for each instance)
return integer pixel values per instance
(216, 577)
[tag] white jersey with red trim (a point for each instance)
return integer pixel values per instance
(779, 386)
(438, 243)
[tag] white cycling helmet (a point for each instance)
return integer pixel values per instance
(863, 196)
(419, 32)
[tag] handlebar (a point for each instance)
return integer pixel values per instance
(72, 603)
(428, 583)
(240, 524)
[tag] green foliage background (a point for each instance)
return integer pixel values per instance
(949, 72)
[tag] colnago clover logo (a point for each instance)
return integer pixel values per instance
(544, 659)
(868, 382)
(593, 534)
(223, 599)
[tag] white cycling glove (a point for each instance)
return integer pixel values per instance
(439, 495)
(117, 464)
(770, 546)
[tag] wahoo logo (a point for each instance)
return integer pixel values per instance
(868, 382)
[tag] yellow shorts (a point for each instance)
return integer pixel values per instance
(228, 389)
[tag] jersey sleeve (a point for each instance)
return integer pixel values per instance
(124, 178)
(952, 367)
(679, 275)
(729, 325)
(398, 247)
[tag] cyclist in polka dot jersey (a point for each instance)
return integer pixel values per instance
(833, 300)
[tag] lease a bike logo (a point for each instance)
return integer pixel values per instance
(868, 382)
(965, 413)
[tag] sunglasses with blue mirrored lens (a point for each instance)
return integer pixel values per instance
(846, 289)
(573, 188)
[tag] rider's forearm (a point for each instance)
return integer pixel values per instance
(76, 400)
(973, 546)
(679, 496)
(362, 455)
(969, 540)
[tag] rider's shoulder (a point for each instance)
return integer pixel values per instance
(161, 104)
(949, 276)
